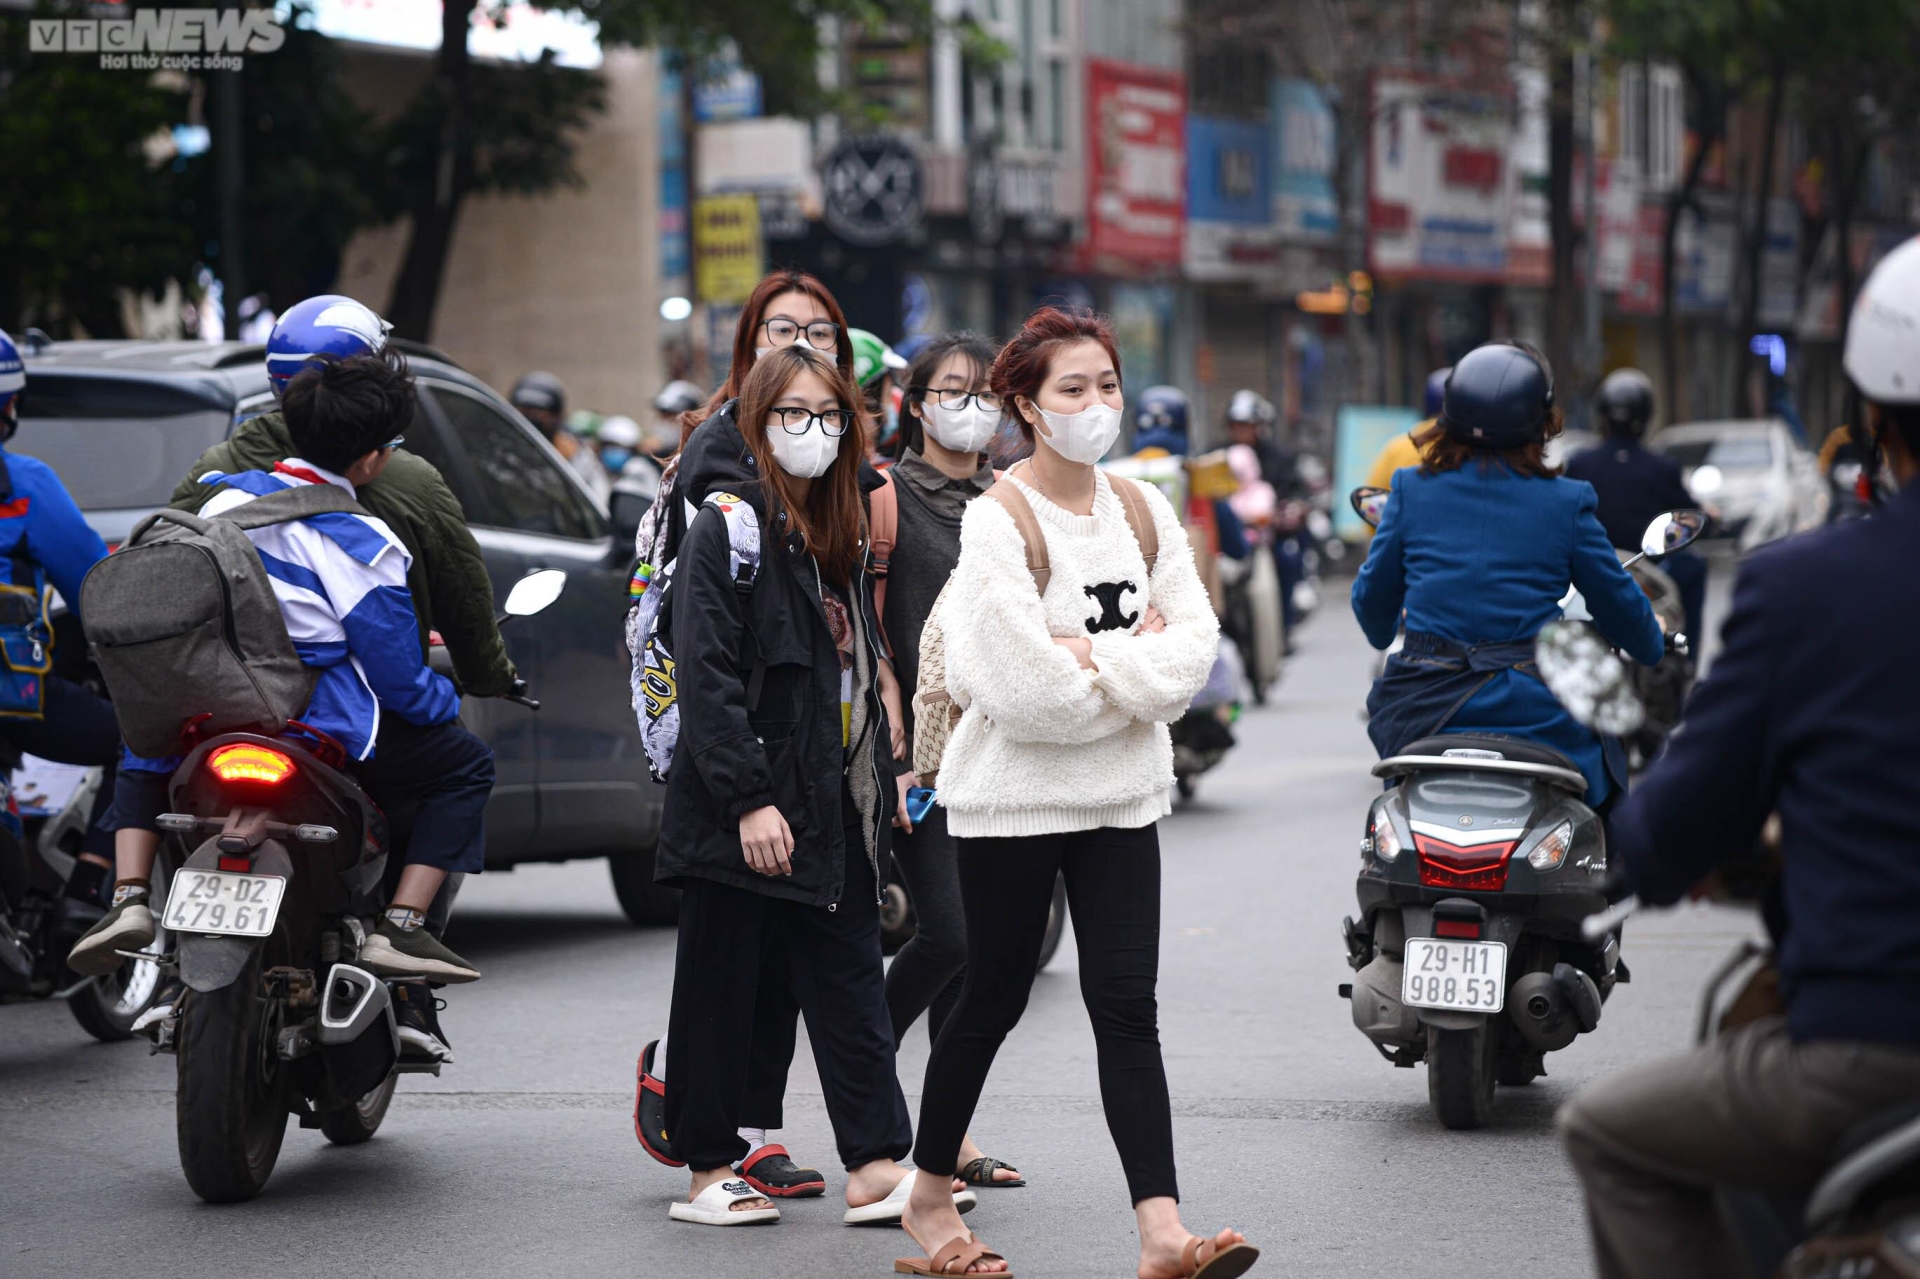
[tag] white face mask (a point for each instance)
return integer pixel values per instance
(809, 455)
(963, 430)
(1085, 436)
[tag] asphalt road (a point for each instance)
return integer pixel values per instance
(521, 1159)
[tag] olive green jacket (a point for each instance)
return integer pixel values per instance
(448, 578)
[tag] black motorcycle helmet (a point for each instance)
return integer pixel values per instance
(1499, 396)
(1624, 403)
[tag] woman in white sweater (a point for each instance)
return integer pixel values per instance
(1061, 764)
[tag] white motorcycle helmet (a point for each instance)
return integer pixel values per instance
(1883, 337)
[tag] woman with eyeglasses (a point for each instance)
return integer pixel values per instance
(781, 796)
(788, 308)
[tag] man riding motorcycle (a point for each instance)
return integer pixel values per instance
(340, 580)
(446, 573)
(44, 539)
(1635, 484)
(1250, 419)
(1808, 712)
(542, 400)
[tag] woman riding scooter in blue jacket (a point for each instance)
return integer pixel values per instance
(1478, 546)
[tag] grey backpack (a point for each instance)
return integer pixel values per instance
(183, 623)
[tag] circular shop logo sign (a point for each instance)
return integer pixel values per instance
(875, 189)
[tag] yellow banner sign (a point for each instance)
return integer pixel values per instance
(728, 258)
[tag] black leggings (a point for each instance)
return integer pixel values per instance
(926, 975)
(1113, 889)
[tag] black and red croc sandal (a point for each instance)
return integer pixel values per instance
(650, 1112)
(772, 1172)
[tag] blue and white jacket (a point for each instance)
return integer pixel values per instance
(42, 524)
(341, 580)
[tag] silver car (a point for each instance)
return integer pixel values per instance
(1759, 482)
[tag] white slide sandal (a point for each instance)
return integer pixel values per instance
(889, 1210)
(714, 1206)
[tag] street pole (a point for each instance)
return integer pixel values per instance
(1590, 336)
(229, 179)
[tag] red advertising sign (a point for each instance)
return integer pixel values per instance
(1137, 166)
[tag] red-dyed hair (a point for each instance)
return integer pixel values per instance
(832, 519)
(746, 335)
(1021, 367)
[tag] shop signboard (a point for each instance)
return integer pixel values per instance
(726, 90)
(1640, 295)
(1137, 188)
(728, 257)
(1230, 231)
(1706, 245)
(1305, 162)
(675, 249)
(1440, 190)
(1529, 220)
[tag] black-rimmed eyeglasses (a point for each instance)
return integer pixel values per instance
(956, 400)
(796, 421)
(821, 335)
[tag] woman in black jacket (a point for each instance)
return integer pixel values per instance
(781, 795)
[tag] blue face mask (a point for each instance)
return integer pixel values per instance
(614, 458)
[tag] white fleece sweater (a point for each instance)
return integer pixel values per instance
(1047, 746)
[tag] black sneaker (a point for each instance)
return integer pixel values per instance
(396, 952)
(416, 1015)
(128, 926)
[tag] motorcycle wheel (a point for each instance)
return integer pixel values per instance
(351, 1125)
(230, 1107)
(1056, 921)
(897, 924)
(1460, 1075)
(641, 900)
(107, 1006)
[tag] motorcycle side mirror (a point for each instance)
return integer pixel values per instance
(1369, 503)
(1671, 532)
(534, 592)
(1588, 678)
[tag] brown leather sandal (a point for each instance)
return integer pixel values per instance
(1227, 1263)
(952, 1259)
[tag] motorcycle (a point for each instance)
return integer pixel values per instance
(38, 843)
(1477, 870)
(268, 914)
(1862, 1218)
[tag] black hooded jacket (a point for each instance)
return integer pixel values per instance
(758, 684)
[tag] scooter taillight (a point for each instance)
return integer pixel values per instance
(1480, 868)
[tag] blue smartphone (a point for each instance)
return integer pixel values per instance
(919, 803)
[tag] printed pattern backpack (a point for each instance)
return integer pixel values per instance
(654, 679)
(935, 711)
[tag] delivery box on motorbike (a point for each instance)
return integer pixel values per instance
(183, 623)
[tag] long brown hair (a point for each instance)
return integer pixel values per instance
(746, 335)
(831, 521)
(1440, 452)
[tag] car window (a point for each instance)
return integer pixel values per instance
(1728, 452)
(117, 462)
(517, 486)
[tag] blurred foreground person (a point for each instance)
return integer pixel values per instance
(1808, 711)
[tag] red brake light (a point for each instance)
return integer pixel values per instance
(1466, 928)
(1481, 868)
(245, 762)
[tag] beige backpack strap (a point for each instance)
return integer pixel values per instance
(1133, 500)
(1010, 496)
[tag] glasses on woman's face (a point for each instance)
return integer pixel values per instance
(821, 335)
(950, 399)
(797, 421)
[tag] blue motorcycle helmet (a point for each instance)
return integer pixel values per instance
(1160, 419)
(330, 324)
(1437, 390)
(1499, 396)
(13, 380)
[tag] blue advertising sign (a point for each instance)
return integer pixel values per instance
(1304, 162)
(726, 90)
(1360, 431)
(1227, 171)
(676, 260)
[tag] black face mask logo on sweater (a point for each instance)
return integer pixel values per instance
(1111, 618)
